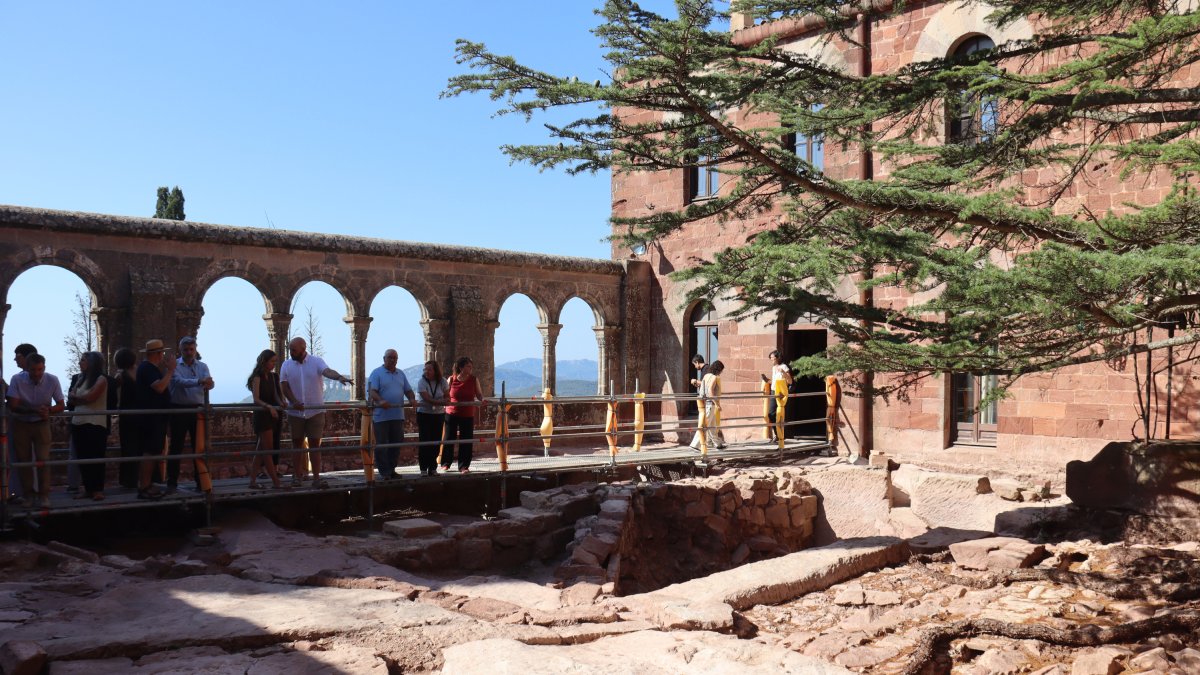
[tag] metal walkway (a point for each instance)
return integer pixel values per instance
(485, 468)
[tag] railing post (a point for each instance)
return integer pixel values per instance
(781, 400)
(833, 401)
(502, 443)
(3, 463)
(610, 425)
(367, 451)
(547, 429)
(203, 473)
(639, 415)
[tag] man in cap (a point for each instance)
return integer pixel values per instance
(188, 385)
(153, 393)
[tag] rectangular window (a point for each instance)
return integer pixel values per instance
(973, 425)
(703, 179)
(810, 148)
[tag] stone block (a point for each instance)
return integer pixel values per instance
(855, 501)
(740, 554)
(483, 529)
(761, 543)
(22, 657)
(1159, 480)
(589, 573)
(697, 509)
(410, 528)
(1154, 661)
(940, 539)
(439, 553)
(878, 460)
(553, 543)
(598, 545)
(718, 524)
(851, 595)
(475, 554)
(728, 503)
(808, 506)
(977, 554)
(513, 556)
(613, 509)
(581, 593)
(777, 515)
(1103, 661)
(580, 556)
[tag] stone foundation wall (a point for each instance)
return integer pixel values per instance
(651, 535)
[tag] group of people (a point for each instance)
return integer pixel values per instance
(708, 391)
(446, 410)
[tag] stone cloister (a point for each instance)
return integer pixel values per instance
(148, 278)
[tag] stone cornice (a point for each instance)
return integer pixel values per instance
(187, 231)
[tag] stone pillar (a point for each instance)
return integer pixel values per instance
(549, 333)
(359, 325)
(488, 382)
(187, 322)
(151, 308)
(108, 331)
(437, 341)
(472, 333)
(278, 325)
(606, 340)
(4, 317)
(635, 326)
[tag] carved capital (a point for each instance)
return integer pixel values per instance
(606, 335)
(359, 325)
(549, 333)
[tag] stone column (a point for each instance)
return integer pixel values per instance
(187, 322)
(108, 331)
(359, 325)
(4, 317)
(549, 333)
(278, 325)
(488, 379)
(151, 308)
(437, 341)
(606, 341)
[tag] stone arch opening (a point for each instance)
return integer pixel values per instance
(60, 335)
(577, 353)
(232, 306)
(396, 316)
(517, 348)
(319, 315)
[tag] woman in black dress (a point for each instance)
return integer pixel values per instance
(263, 384)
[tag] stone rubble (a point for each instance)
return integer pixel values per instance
(743, 590)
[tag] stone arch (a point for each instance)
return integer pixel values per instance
(355, 304)
(79, 264)
(422, 294)
(250, 272)
(588, 299)
(956, 21)
(496, 300)
(822, 50)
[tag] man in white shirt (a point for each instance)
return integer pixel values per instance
(304, 392)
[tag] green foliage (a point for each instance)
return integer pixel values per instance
(1008, 270)
(170, 204)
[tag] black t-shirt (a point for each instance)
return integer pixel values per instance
(147, 375)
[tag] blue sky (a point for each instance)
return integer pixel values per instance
(309, 116)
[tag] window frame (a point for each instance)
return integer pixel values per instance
(981, 426)
(983, 120)
(794, 140)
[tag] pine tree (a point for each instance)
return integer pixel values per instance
(170, 204)
(1010, 277)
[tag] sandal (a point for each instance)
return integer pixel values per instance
(256, 486)
(97, 496)
(149, 493)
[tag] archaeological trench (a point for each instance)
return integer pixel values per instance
(813, 565)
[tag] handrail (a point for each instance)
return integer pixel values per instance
(613, 431)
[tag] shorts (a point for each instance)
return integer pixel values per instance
(310, 427)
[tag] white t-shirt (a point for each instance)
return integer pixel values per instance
(307, 383)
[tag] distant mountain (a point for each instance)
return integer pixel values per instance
(521, 378)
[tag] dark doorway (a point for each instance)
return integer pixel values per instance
(797, 343)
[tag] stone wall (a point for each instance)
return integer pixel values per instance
(651, 535)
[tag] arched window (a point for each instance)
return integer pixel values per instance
(703, 327)
(702, 340)
(973, 118)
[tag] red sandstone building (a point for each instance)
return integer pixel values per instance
(1048, 419)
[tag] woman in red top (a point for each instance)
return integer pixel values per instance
(460, 419)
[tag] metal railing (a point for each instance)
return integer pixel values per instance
(637, 428)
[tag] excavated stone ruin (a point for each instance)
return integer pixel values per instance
(805, 569)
